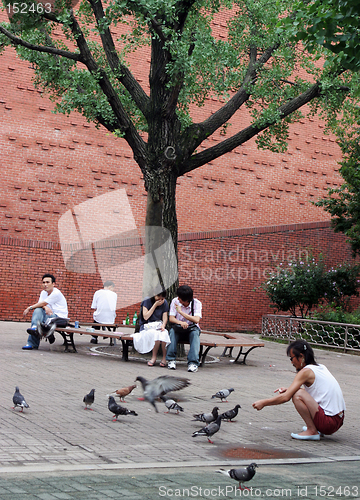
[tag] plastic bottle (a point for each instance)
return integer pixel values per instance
(127, 321)
(135, 318)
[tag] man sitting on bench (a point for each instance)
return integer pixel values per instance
(185, 315)
(51, 308)
(104, 303)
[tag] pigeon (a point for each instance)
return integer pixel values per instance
(121, 393)
(19, 400)
(207, 417)
(171, 405)
(209, 430)
(89, 399)
(242, 475)
(46, 331)
(118, 410)
(230, 414)
(160, 386)
(222, 394)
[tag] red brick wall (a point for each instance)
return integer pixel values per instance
(223, 267)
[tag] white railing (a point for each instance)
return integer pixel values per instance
(342, 336)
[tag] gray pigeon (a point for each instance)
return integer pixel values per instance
(89, 399)
(209, 430)
(223, 394)
(171, 405)
(45, 329)
(160, 386)
(230, 414)
(207, 417)
(118, 410)
(242, 475)
(19, 400)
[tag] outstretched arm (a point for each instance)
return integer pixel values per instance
(302, 377)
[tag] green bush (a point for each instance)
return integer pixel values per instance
(302, 285)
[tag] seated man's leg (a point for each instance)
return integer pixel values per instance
(172, 347)
(194, 339)
(34, 339)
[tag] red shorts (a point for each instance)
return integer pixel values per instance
(327, 424)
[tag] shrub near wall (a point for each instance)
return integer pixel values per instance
(223, 267)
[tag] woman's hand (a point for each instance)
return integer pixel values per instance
(159, 302)
(280, 390)
(259, 405)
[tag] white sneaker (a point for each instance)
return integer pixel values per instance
(172, 365)
(192, 367)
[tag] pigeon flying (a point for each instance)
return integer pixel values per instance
(118, 410)
(89, 399)
(171, 405)
(19, 400)
(160, 386)
(242, 475)
(121, 393)
(207, 417)
(230, 414)
(222, 394)
(209, 430)
(45, 330)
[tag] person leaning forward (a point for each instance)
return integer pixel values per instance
(320, 401)
(51, 305)
(184, 315)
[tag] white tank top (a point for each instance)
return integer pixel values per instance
(326, 390)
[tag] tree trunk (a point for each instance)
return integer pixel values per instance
(160, 271)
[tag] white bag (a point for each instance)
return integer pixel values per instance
(154, 325)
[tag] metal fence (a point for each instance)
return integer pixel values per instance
(342, 336)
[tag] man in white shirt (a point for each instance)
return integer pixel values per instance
(104, 303)
(185, 315)
(51, 304)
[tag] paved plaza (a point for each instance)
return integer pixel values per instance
(57, 450)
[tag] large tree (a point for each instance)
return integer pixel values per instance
(255, 68)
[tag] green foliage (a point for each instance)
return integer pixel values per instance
(304, 284)
(334, 24)
(337, 315)
(342, 283)
(296, 287)
(343, 203)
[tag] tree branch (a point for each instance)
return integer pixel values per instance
(123, 119)
(40, 48)
(198, 132)
(246, 134)
(121, 72)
